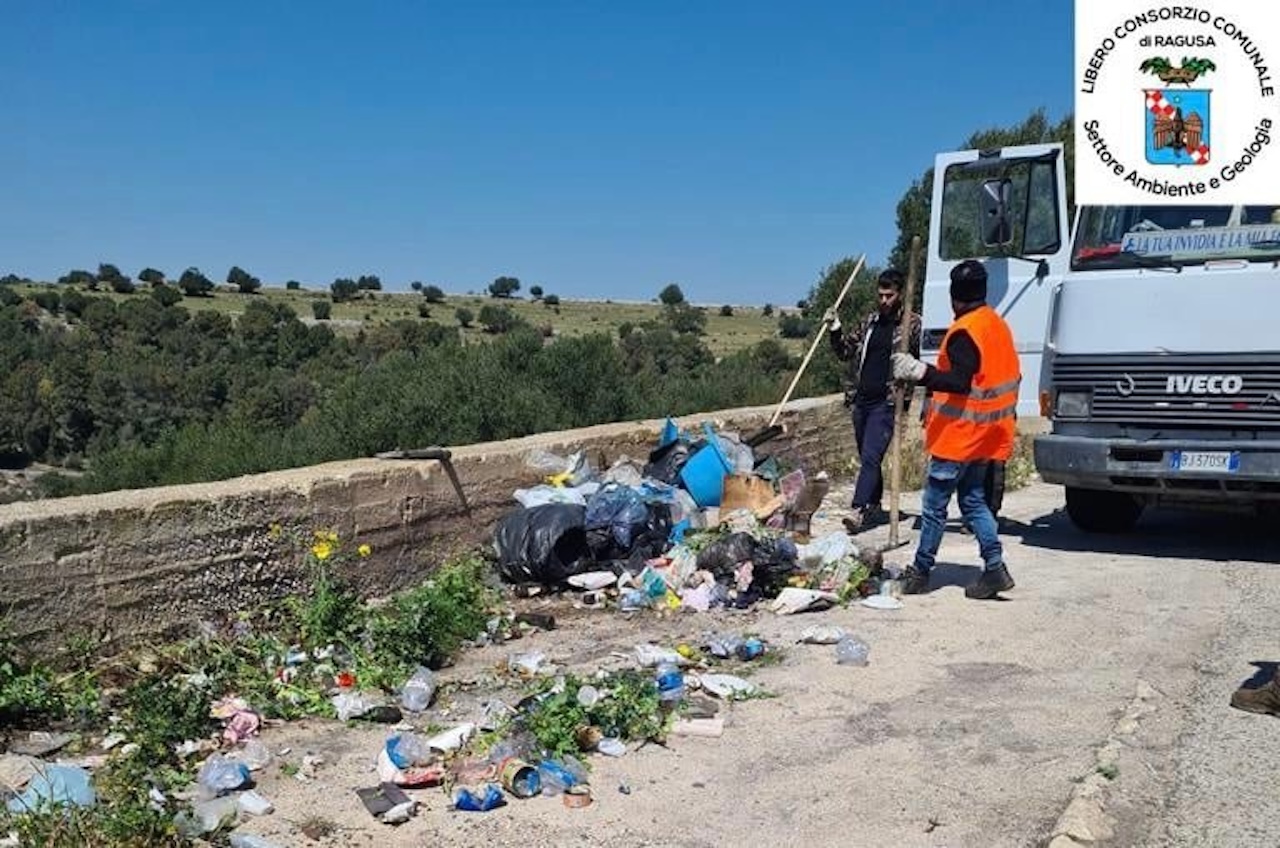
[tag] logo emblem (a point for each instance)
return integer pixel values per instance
(1125, 386)
(1177, 126)
(1272, 397)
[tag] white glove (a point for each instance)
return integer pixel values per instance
(832, 318)
(907, 368)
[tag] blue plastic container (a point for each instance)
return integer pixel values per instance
(704, 472)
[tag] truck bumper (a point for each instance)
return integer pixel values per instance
(1147, 468)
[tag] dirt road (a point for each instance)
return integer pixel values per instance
(1092, 701)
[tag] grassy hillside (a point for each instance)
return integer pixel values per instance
(724, 334)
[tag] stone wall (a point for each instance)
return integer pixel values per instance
(131, 565)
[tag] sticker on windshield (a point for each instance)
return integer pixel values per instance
(1201, 242)
(1203, 79)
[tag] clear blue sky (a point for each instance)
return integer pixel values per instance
(594, 148)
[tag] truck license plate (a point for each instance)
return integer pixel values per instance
(1228, 461)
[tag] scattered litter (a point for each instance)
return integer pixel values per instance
(255, 755)
(727, 686)
(822, 634)
(418, 690)
(55, 784)
(16, 771)
(249, 840)
(881, 602)
(793, 600)
(452, 739)
(611, 747)
(706, 727)
(577, 797)
(253, 804)
(492, 798)
(851, 650)
(527, 664)
(220, 775)
(593, 580)
(519, 778)
(387, 803)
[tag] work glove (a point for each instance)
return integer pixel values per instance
(907, 368)
(832, 318)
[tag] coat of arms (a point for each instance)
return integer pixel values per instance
(1177, 119)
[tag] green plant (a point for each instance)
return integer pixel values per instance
(428, 624)
(630, 711)
(330, 611)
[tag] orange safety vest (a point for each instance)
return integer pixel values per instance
(980, 425)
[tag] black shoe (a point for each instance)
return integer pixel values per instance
(913, 582)
(992, 582)
(856, 523)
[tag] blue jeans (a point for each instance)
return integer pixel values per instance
(873, 431)
(967, 480)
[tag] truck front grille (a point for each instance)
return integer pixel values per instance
(1196, 391)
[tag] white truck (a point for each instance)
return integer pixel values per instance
(1147, 334)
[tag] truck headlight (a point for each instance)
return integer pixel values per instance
(1073, 404)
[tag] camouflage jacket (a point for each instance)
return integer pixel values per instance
(851, 347)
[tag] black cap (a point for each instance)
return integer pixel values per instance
(969, 281)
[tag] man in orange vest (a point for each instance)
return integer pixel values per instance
(970, 421)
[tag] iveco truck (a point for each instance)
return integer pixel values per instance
(1149, 335)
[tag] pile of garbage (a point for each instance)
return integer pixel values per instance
(703, 523)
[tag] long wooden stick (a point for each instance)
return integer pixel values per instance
(822, 331)
(899, 395)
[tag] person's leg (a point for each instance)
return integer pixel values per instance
(877, 432)
(940, 483)
(859, 439)
(972, 495)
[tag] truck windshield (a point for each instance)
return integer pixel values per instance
(1132, 236)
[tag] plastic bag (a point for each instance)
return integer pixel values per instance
(619, 508)
(220, 774)
(545, 494)
(852, 651)
(666, 462)
(545, 544)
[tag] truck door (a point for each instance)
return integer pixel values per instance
(1008, 209)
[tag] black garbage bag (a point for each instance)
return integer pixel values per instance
(666, 462)
(648, 538)
(543, 544)
(772, 561)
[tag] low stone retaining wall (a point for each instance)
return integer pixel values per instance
(151, 563)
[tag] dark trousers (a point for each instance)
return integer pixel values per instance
(873, 431)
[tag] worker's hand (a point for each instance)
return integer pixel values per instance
(832, 318)
(907, 368)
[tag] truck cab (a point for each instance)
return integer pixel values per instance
(1007, 208)
(1162, 358)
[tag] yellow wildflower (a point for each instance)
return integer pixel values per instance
(364, 550)
(322, 550)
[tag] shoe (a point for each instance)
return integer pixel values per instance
(992, 582)
(855, 523)
(913, 582)
(1264, 700)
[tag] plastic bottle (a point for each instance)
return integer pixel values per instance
(670, 684)
(418, 690)
(852, 651)
(554, 777)
(750, 649)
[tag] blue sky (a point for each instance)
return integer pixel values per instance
(599, 149)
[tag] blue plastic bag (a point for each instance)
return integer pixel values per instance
(464, 799)
(56, 785)
(619, 508)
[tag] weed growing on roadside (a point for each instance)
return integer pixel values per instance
(630, 711)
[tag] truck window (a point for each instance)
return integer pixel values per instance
(1033, 209)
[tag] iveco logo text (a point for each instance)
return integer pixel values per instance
(1204, 384)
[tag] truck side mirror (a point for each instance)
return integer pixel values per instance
(993, 201)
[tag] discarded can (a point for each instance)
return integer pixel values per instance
(750, 649)
(537, 619)
(577, 796)
(593, 599)
(519, 778)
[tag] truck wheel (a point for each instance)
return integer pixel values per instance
(1097, 511)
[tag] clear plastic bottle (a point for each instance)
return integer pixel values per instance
(670, 684)
(418, 690)
(852, 651)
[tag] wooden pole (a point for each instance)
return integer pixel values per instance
(822, 331)
(899, 396)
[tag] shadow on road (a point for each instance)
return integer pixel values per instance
(1182, 534)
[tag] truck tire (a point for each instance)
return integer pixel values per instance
(1096, 511)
